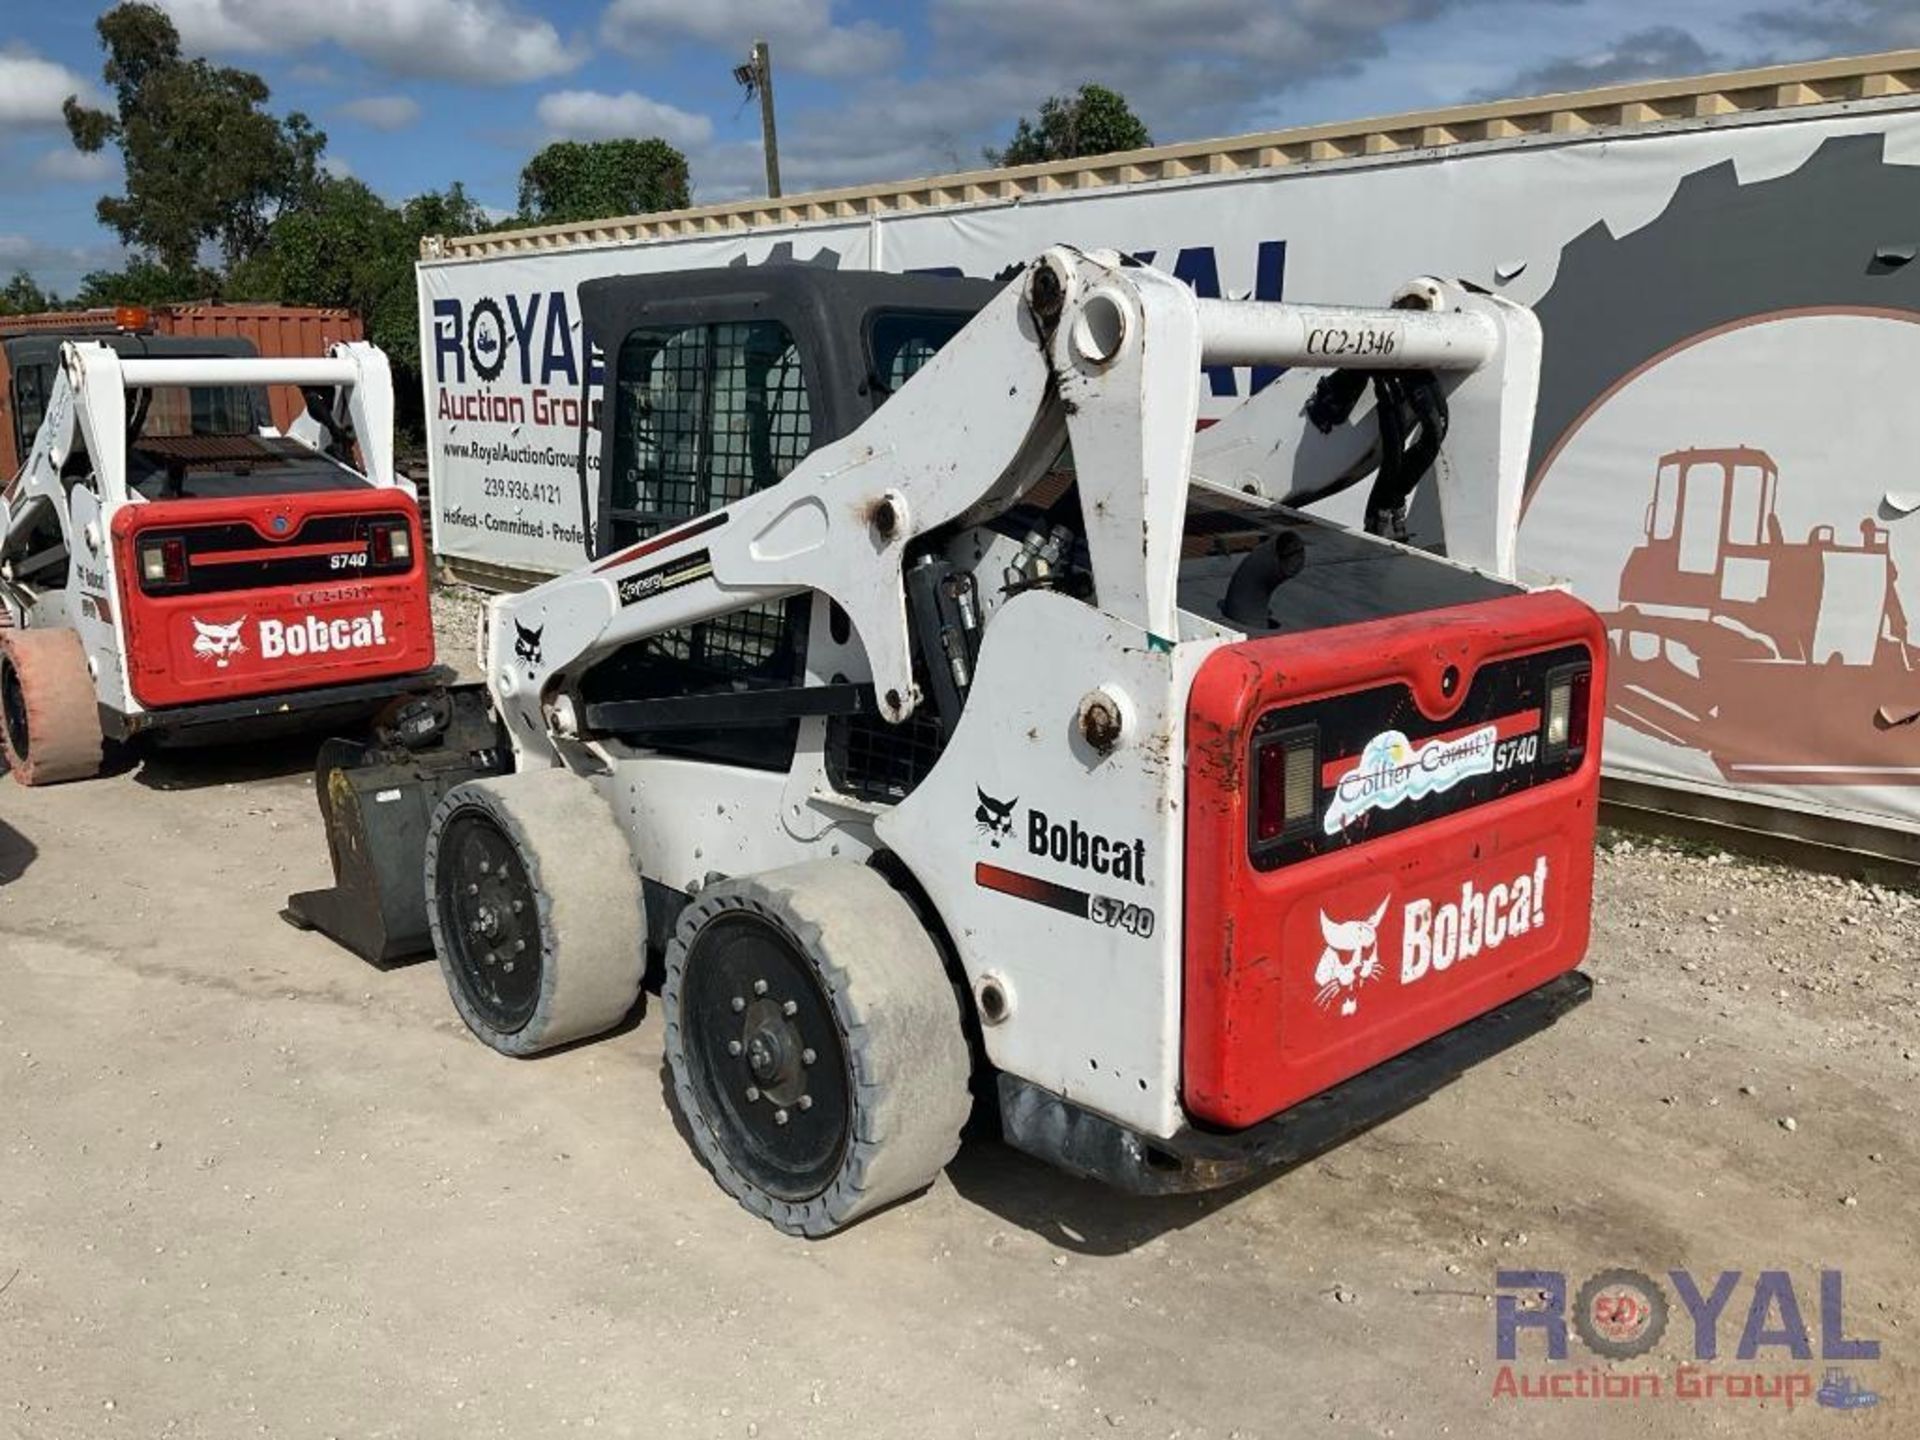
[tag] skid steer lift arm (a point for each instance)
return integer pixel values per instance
(1079, 346)
(1289, 444)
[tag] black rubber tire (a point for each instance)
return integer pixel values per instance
(49, 715)
(898, 1021)
(582, 890)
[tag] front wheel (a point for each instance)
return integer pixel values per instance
(536, 910)
(815, 1044)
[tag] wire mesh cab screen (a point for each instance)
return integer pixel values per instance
(705, 415)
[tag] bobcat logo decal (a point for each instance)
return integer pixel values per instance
(1352, 958)
(995, 817)
(219, 643)
(526, 643)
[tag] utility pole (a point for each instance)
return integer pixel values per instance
(756, 78)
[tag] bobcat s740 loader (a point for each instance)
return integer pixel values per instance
(171, 565)
(952, 718)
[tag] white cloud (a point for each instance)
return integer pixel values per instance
(32, 89)
(57, 267)
(64, 163)
(1189, 68)
(337, 167)
(1843, 27)
(1657, 52)
(489, 42)
(590, 115)
(383, 112)
(801, 33)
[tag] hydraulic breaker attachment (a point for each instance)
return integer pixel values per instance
(376, 801)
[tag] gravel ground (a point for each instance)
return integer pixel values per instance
(250, 1186)
(456, 624)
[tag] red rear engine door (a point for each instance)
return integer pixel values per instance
(270, 594)
(1445, 868)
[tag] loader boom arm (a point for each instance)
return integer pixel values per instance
(1083, 347)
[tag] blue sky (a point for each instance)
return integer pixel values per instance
(414, 94)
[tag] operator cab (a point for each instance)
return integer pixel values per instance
(719, 383)
(722, 380)
(33, 362)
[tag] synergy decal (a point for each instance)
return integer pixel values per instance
(219, 643)
(1351, 959)
(1116, 857)
(662, 578)
(1393, 768)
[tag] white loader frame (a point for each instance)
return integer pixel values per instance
(1075, 708)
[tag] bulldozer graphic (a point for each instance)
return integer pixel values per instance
(1785, 661)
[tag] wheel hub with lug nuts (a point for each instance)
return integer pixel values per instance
(765, 1054)
(485, 894)
(775, 1054)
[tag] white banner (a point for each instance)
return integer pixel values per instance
(506, 364)
(1725, 458)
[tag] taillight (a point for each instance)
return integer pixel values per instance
(392, 543)
(1286, 784)
(1564, 724)
(163, 562)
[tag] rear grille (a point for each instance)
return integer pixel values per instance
(231, 557)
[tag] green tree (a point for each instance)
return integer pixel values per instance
(1092, 121)
(346, 247)
(574, 180)
(22, 295)
(143, 282)
(204, 161)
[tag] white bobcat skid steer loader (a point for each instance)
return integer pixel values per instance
(987, 737)
(171, 565)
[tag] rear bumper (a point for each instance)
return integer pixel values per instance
(292, 709)
(1083, 1143)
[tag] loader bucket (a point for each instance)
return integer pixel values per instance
(376, 801)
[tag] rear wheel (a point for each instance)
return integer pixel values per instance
(536, 910)
(815, 1043)
(49, 717)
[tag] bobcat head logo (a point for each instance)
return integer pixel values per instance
(526, 644)
(995, 817)
(1352, 958)
(219, 643)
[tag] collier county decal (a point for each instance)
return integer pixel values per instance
(1392, 769)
